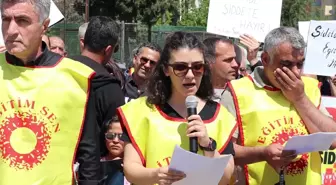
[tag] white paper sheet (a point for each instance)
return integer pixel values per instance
(199, 170)
(311, 143)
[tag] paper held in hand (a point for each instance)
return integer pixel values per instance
(316, 142)
(199, 170)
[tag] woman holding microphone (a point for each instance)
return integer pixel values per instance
(155, 124)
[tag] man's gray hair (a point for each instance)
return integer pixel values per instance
(82, 29)
(42, 7)
(281, 35)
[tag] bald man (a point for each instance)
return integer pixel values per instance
(57, 45)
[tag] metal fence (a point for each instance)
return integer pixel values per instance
(131, 35)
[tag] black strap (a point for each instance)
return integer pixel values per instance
(281, 177)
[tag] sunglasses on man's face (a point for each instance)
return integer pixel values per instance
(112, 136)
(181, 69)
(144, 60)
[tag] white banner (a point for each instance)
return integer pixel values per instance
(304, 28)
(233, 18)
(321, 49)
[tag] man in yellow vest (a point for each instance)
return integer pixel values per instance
(47, 112)
(273, 104)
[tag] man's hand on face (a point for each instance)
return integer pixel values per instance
(290, 83)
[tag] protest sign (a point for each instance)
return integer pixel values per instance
(304, 28)
(236, 17)
(321, 49)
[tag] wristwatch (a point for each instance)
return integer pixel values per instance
(211, 147)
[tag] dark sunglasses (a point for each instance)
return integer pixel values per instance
(112, 136)
(145, 60)
(181, 69)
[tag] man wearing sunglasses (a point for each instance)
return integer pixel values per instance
(144, 61)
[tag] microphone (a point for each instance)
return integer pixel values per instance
(191, 104)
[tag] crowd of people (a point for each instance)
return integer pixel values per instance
(68, 119)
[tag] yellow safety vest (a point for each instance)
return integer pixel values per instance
(155, 135)
(264, 117)
(41, 116)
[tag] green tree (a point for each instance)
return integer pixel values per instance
(196, 16)
(150, 11)
(123, 10)
(144, 11)
(67, 9)
(294, 11)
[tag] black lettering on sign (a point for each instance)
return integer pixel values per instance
(332, 64)
(254, 25)
(319, 31)
(331, 158)
(327, 50)
(229, 9)
(328, 157)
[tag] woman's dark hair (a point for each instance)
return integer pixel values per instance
(104, 129)
(159, 87)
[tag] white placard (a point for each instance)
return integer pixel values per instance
(321, 49)
(304, 28)
(55, 16)
(236, 17)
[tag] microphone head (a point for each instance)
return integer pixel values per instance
(191, 101)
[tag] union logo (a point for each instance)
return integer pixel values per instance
(280, 131)
(25, 134)
(24, 140)
(300, 163)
